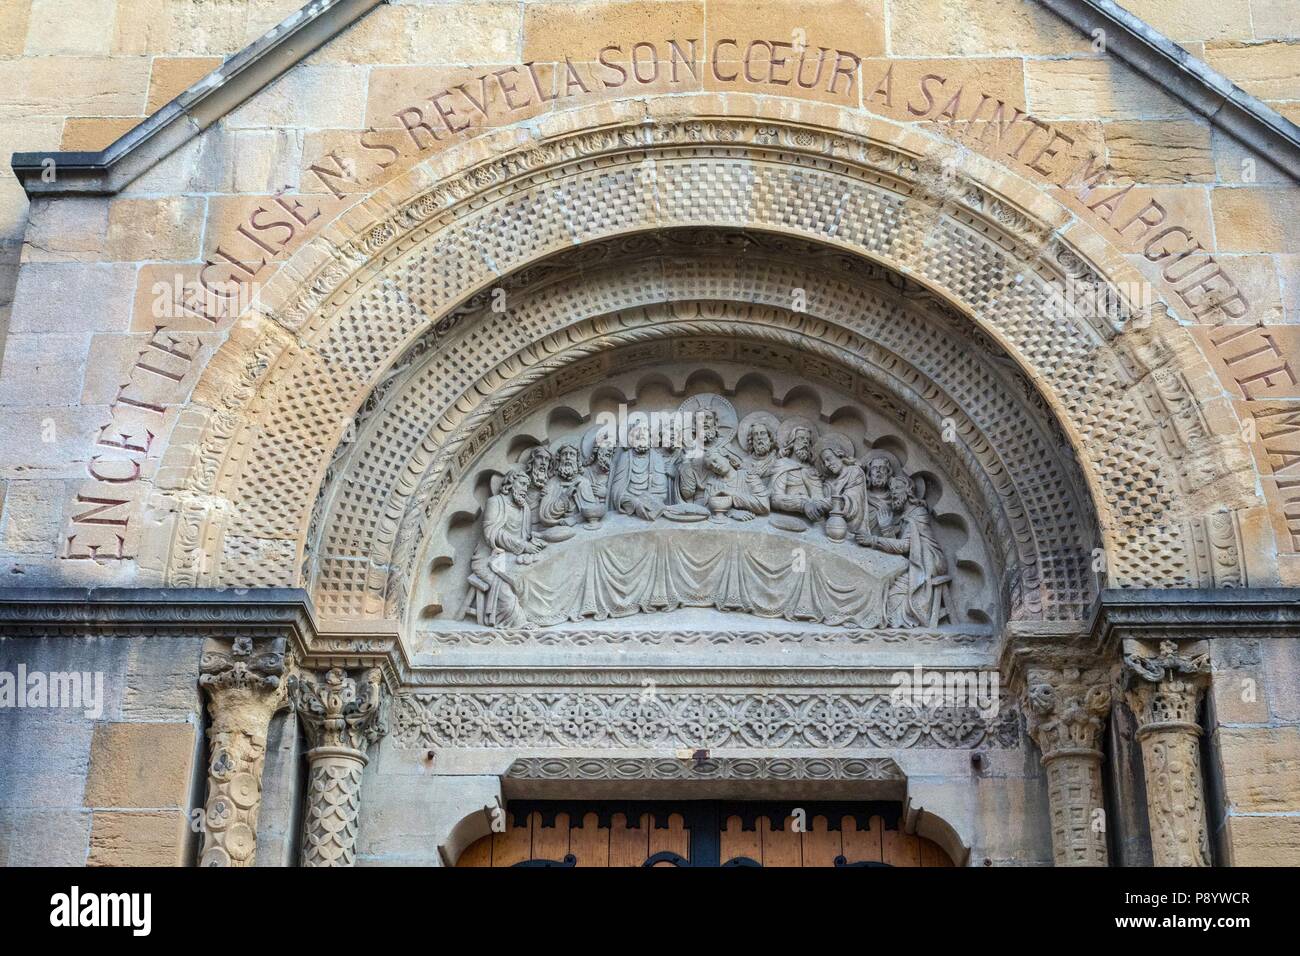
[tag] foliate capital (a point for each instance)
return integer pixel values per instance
(1164, 684)
(339, 710)
(244, 682)
(1067, 709)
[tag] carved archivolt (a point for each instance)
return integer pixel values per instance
(282, 392)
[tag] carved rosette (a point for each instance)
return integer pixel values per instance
(341, 718)
(1067, 714)
(245, 686)
(1164, 690)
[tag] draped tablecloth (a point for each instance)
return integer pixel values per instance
(749, 567)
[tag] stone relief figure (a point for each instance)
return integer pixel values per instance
(641, 478)
(844, 486)
(537, 463)
(507, 543)
(757, 434)
(736, 492)
(712, 422)
(787, 471)
(796, 482)
(918, 598)
(560, 507)
(880, 517)
(593, 493)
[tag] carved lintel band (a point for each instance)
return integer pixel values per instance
(1067, 713)
(1164, 688)
(341, 720)
(245, 686)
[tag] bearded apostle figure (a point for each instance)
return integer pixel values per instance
(919, 596)
(507, 543)
(844, 484)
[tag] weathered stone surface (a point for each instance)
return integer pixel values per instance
(72, 85)
(1196, 19)
(141, 838)
(140, 765)
(1160, 151)
(1092, 88)
(1264, 840)
(32, 519)
(143, 229)
(40, 367)
(14, 18)
(51, 31)
(93, 133)
(44, 837)
(1257, 219)
(1261, 768)
(66, 231)
(554, 31)
(956, 28)
(1268, 70)
(73, 297)
(172, 75)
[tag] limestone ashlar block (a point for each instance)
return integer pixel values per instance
(14, 18)
(150, 838)
(856, 26)
(73, 86)
(144, 765)
(1261, 768)
(1256, 219)
(172, 75)
(308, 96)
(52, 31)
(66, 229)
(90, 134)
(41, 837)
(182, 27)
(1275, 18)
(45, 367)
(73, 297)
(961, 28)
(151, 229)
(553, 31)
(484, 32)
(1270, 71)
(1182, 20)
(1264, 840)
(1160, 151)
(1090, 88)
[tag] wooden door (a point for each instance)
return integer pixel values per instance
(702, 833)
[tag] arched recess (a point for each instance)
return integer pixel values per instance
(469, 395)
(1164, 471)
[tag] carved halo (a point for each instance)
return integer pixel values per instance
(786, 432)
(757, 418)
(723, 411)
(839, 443)
(589, 439)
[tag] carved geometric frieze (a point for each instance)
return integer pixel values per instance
(695, 720)
(705, 768)
(409, 272)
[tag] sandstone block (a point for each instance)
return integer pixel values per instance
(1261, 768)
(14, 18)
(70, 229)
(172, 75)
(958, 28)
(52, 31)
(1160, 151)
(311, 96)
(140, 765)
(1195, 19)
(155, 838)
(1259, 219)
(1095, 88)
(145, 229)
(553, 31)
(73, 86)
(1270, 71)
(1264, 841)
(473, 32)
(93, 133)
(44, 837)
(73, 297)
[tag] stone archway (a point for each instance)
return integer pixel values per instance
(1163, 472)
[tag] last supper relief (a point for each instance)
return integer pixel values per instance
(648, 498)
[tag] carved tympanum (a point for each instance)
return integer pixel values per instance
(693, 508)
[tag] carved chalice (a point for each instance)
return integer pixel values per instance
(592, 514)
(719, 505)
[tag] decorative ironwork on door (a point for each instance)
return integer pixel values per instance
(702, 833)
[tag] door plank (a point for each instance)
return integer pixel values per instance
(514, 844)
(901, 849)
(550, 843)
(628, 845)
(737, 842)
(862, 845)
(478, 853)
(781, 847)
(932, 854)
(590, 842)
(675, 838)
(821, 844)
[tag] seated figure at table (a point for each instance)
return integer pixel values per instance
(757, 435)
(560, 505)
(593, 493)
(916, 598)
(538, 463)
(844, 484)
(880, 517)
(507, 543)
(796, 482)
(640, 480)
(746, 496)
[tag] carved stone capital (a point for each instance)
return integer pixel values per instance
(1066, 709)
(244, 685)
(337, 711)
(1163, 687)
(342, 715)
